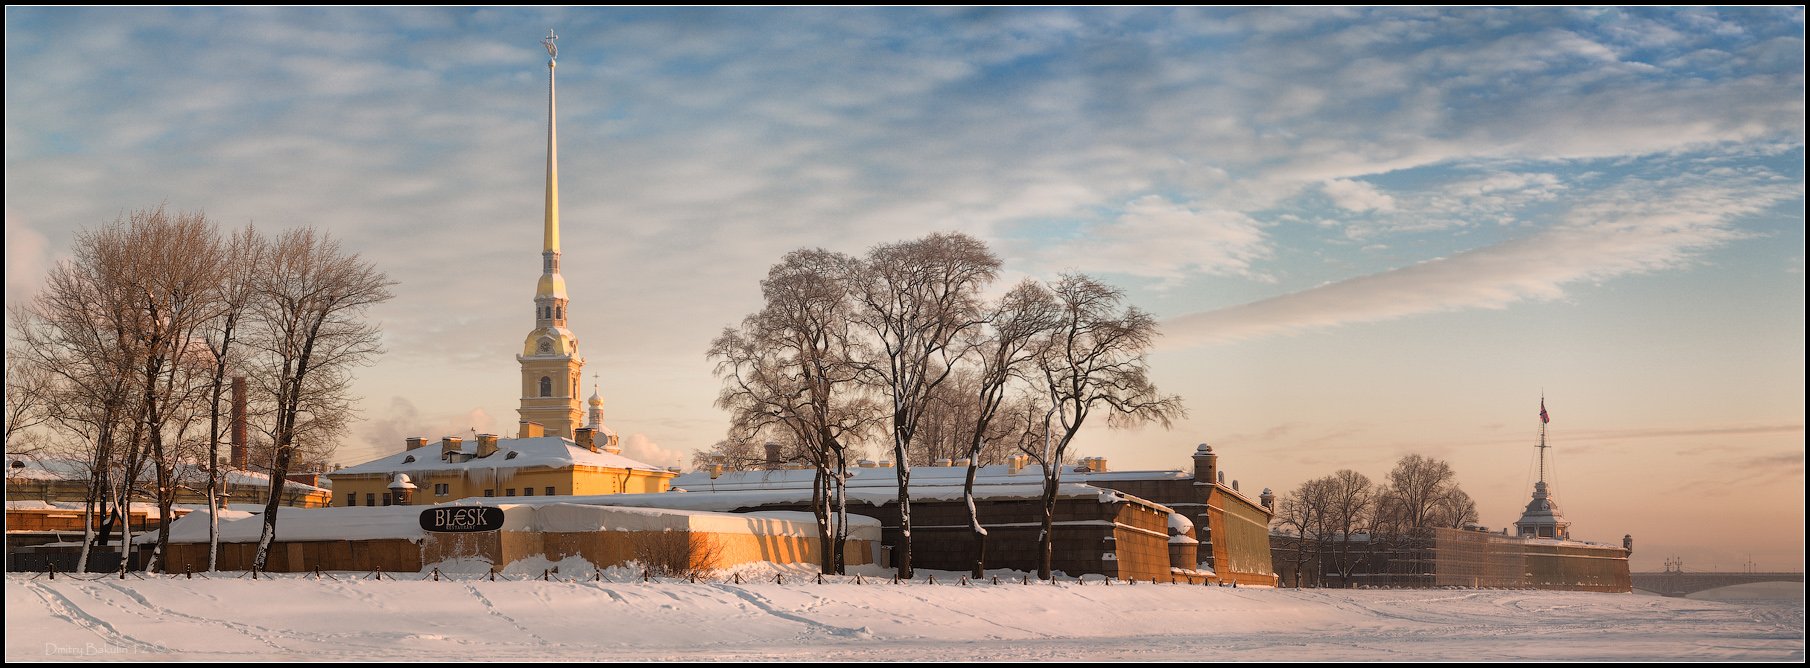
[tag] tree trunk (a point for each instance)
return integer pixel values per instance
(903, 554)
(977, 534)
(1047, 540)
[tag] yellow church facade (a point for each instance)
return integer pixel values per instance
(560, 448)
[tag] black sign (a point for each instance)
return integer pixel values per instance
(462, 519)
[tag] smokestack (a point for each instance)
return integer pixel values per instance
(239, 455)
(772, 456)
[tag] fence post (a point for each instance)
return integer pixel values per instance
(995, 578)
(188, 572)
(53, 571)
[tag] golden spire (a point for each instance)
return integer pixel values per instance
(552, 237)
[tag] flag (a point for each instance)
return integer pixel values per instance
(1543, 418)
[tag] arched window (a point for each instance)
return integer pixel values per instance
(561, 310)
(546, 386)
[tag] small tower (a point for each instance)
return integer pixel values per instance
(605, 438)
(1206, 464)
(1542, 518)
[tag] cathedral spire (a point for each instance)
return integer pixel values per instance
(551, 363)
(551, 244)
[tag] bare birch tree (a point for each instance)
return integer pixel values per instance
(311, 307)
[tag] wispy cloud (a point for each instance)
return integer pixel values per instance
(1637, 227)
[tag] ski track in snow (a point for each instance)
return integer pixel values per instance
(353, 619)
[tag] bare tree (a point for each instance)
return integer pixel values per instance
(311, 330)
(1453, 510)
(1416, 486)
(792, 370)
(915, 300)
(244, 258)
(1002, 351)
(1349, 497)
(28, 385)
(1094, 358)
(1300, 516)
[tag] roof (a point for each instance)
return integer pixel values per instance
(887, 477)
(512, 453)
(187, 473)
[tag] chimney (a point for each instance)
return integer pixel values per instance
(240, 456)
(716, 471)
(1206, 464)
(1014, 464)
(1099, 465)
(586, 438)
(415, 442)
(486, 445)
(772, 456)
(450, 444)
(530, 430)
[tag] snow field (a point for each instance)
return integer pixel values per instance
(470, 618)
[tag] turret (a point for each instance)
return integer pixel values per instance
(1206, 464)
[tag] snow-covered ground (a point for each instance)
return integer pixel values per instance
(304, 618)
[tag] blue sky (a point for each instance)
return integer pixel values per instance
(1369, 231)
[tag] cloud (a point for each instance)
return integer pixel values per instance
(27, 259)
(384, 432)
(1357, 196)
(1157, 238)
(1639, 227)
(643, 449)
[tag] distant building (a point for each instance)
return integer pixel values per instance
(1130, 524)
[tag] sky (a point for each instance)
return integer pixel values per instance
(1367, 232)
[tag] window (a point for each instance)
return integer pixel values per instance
(370, 499)
(546, 386)
(549, 490)
(562, 312)
(490, 492)
(386, 498)
(527, 491)
(352, 499)
(509, 492)
(442, 489)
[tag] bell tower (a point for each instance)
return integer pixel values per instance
(551, 364)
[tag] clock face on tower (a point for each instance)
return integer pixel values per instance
(546, 347)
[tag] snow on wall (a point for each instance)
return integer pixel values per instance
(381, 522)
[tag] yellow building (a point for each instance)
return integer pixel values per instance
(552, 455)
(437, 472)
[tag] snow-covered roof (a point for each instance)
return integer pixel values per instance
(930, 476)
(697, 498)
(187, 473)
(511, 453)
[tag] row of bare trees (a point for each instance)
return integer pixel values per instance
(122, 359)
(902, 347)
(1340, 521)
